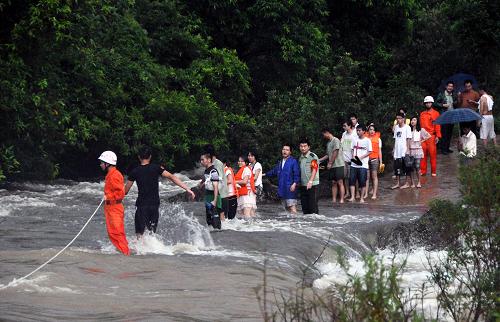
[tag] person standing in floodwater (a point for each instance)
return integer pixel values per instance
(113, 207)
(309, 178)
(257, 173)
(209, 149)
(288, 173)
(148, 201)
(230, 204)
(211, 183)
(244, 178)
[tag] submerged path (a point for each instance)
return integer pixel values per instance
(187, 273)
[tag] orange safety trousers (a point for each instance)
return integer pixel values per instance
(116, 227)
(429, 147)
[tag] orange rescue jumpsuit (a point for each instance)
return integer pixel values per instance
(427, 118)
(114, 191)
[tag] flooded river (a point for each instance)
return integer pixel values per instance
(186, 272)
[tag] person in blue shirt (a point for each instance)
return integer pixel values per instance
(288, 172)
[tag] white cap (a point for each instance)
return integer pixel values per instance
(108, 157)
(428, 99)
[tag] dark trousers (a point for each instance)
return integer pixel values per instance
(446, 133)
(309, 200)
(229, 206)
(146, 217)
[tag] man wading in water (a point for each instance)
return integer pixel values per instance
(113, 197)
(148, 201)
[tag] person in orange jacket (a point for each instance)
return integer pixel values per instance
(374, 161)
(114, 191)
(427, 119)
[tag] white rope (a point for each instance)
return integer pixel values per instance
(16, 281)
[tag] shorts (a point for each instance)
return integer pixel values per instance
(336, 174)
(146, 217)
(374, 164)
(487, 130)
(399, 167)
(347, 169)
(358, 174)
(259, 190)
(289, 202)
(416, 164)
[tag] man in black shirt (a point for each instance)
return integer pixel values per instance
(148, 201)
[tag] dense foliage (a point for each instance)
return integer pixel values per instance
(79, 77)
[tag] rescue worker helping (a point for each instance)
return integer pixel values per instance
(114, 191)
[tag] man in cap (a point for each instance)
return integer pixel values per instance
(113, 208)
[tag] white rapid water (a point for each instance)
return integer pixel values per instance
(414, 275)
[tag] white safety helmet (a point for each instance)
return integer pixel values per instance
(109, 157)
(428, 99)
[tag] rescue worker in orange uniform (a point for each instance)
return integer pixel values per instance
(427, 119)
(114, 191)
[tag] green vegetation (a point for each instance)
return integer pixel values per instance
(79, 77)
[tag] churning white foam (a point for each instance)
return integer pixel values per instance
(36, 285)
(414, 275)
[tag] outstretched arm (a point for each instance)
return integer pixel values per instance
(273, 172)
(178, 182)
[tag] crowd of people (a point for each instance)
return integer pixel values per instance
(352, 162)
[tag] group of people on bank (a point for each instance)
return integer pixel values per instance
(353, 161)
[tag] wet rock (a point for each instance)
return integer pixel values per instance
(425, 231)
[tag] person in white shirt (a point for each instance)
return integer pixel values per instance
(361, 148)
(487, 130)
(346, 143)
(467, 144)
(257, 172)
(402, 138)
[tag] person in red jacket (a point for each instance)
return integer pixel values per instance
(427, 119)
(114, 191)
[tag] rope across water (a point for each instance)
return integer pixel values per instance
(16, 281)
